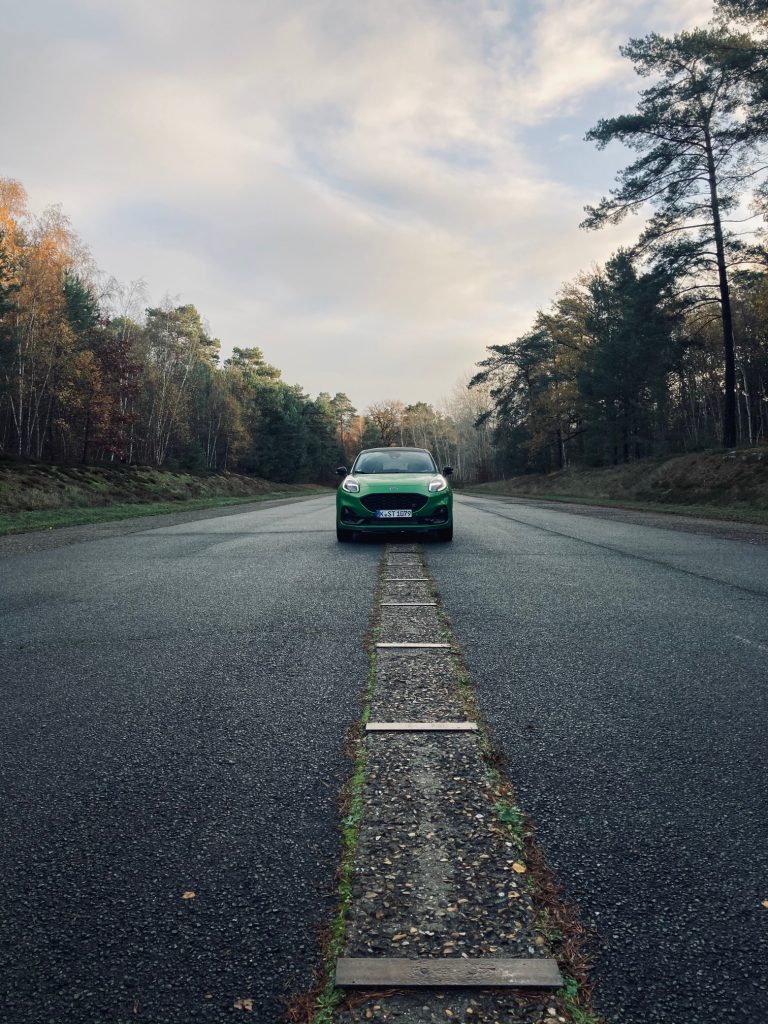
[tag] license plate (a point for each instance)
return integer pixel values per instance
(394, 513)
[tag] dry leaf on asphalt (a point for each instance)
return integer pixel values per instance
(188, 895)
(244, 1004)
(519, 868)
(764, 904)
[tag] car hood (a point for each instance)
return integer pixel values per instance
(394, 483)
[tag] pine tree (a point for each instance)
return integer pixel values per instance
(695, 165)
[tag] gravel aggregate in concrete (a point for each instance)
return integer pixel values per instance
(417, 686)
(419, 624)
(434, 872)
(411, 590)
(498, 1007)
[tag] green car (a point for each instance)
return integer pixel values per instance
(394, 490)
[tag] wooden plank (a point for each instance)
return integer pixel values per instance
(409, 604)
(421, 727)
(391, 972)
(410, 646)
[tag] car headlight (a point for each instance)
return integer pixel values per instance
(438, 484)
(350, 485)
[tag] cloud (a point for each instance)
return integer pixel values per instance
(370, 192)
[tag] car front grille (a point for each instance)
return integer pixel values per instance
(384, 501)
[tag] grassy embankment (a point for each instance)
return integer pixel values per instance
(714, 485)
(34, 496)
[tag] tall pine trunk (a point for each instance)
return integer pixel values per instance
(729, 402)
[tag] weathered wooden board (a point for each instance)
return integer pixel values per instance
(410, 645)
(390, 972)
(421, 727)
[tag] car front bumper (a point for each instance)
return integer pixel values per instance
(352, 514)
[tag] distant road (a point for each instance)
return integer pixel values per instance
(175, 700)
(624, 669)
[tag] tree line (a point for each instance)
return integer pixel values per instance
(665, 349)
(88, 375)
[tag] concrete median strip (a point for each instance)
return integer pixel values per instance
(441, 906)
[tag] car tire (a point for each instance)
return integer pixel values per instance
(343, 536)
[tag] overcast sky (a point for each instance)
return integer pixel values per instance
(371, 191)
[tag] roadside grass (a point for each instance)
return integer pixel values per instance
(557, 920)
(725, 513)
(51, 519)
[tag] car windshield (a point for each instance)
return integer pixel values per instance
(394, 462)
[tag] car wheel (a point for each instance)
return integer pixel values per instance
(343, 536)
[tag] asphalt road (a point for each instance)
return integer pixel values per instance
(174, 705)
(175, 699)
(624, 670)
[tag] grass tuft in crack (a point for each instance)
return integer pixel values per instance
(571, 996)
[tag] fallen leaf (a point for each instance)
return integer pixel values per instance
(519, 868)
(764, 904)
(400, 935)
(188, 895)
(244, 1004)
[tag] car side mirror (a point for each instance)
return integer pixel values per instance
(447, 470)
(341, 471)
